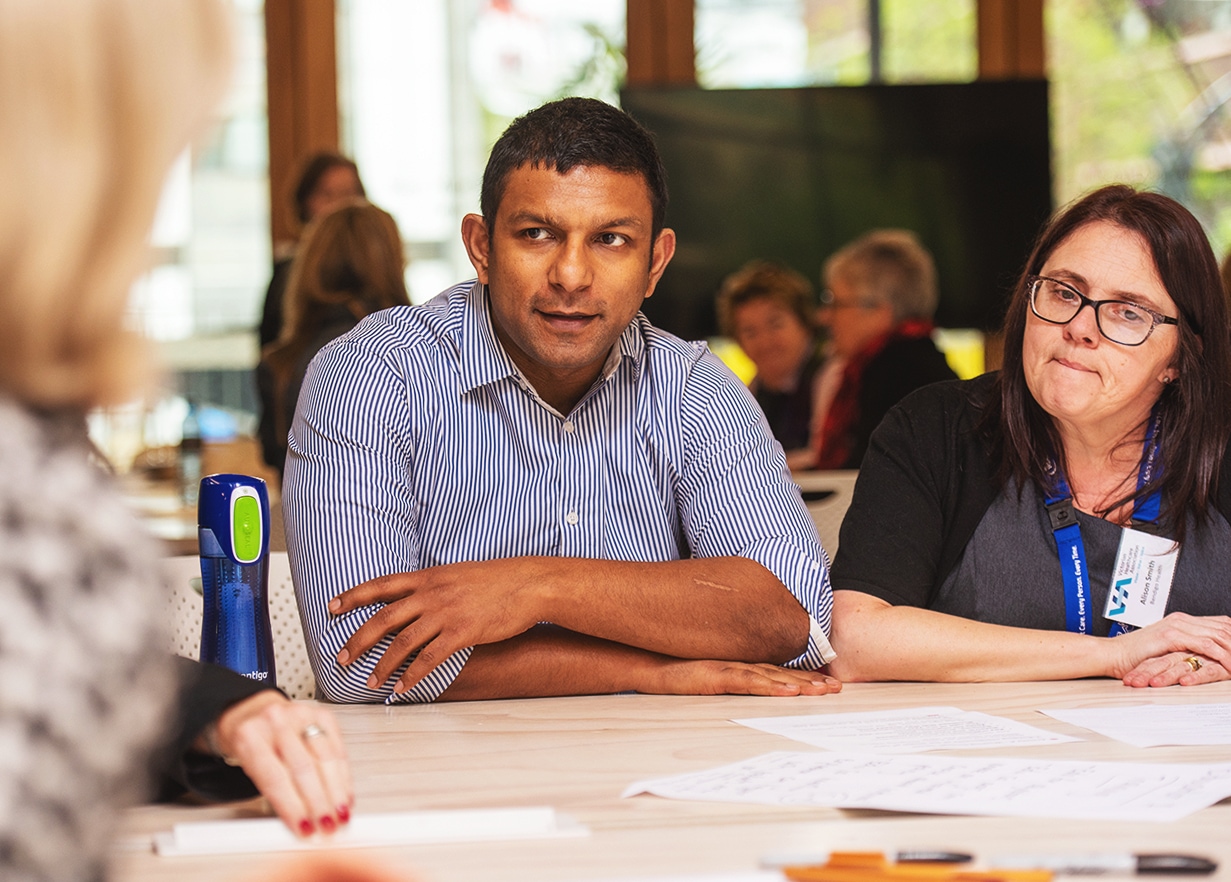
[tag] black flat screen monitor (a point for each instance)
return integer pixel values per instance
(793, 174)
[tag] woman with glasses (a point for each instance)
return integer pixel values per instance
(1068, 516)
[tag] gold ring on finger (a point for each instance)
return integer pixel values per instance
(1193, 662)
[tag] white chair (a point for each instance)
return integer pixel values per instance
(182, 583)
(827, 495)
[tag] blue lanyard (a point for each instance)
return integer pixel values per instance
(1067, 531)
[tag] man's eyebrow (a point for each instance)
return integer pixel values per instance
(530, 217)
(635, 222)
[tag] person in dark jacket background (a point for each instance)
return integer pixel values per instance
(879, 299)
(351, 264)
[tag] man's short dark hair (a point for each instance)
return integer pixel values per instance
(575, 132)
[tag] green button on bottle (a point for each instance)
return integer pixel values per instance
(246, 535)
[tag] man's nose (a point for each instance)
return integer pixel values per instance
(571, 269)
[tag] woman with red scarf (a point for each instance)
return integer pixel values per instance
(878, 304)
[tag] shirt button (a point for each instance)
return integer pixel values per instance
(571, 517)
(815, 566)
(568, 426)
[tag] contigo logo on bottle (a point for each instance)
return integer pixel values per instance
(257, 675)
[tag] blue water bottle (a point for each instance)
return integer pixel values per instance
(233, 530)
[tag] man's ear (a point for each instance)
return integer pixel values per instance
(664, 250)
(478, 244)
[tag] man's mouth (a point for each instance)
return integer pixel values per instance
(567, 321)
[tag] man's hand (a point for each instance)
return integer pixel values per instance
(439, 610)
(293, 753)
(688, 677)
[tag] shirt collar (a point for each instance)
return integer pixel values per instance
(485, 361)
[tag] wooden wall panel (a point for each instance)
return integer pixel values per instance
(301, 78)
(1011, 40)
(660, 42)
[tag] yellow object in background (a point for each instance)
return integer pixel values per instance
(733, 357)
(962, 348)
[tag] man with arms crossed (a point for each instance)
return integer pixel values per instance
(532, 490)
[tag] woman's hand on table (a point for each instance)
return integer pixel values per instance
(1176, 669)
(709, 677)
(1158, 655)
(294, 754)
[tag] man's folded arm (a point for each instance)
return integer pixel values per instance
(720, 607)
(548, 661)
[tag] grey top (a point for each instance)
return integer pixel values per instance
(84, 679)
(1010, 571)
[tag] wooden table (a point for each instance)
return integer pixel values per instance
(578, 754)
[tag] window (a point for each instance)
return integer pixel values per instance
(211, 237)
(427, 87)
(1139, 94)
(767, 43)
(201, 298)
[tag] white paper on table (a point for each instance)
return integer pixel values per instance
(1154, 725)
(958, 785)
(369, 831)
(906, 730)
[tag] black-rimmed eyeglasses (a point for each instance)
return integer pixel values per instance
(1120, 321)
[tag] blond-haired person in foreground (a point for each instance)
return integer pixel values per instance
(97, 98)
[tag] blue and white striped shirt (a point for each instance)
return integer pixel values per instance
(417, 442)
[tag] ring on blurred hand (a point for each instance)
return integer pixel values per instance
(312, 730)
(1193, 662)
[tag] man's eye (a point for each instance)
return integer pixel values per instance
(535, 233)
(613, 239)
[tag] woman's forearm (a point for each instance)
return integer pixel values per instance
(877, 641)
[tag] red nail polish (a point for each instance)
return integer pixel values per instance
(343, 813)
(306, 828)
(327, 824)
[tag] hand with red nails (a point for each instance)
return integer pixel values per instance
(294, 754)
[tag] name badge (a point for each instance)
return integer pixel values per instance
(1141, 579)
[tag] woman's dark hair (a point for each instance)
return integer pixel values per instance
(315, 168)
(1196, 408)
(575, 132)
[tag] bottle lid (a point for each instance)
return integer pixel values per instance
(235, 509)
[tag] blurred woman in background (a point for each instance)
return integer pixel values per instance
(326, 180)
(350, 265)
(768, 309)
